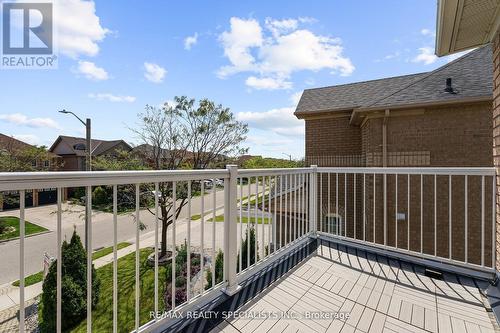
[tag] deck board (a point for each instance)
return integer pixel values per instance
(377, 294)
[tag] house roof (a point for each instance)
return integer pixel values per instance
(99, 147)
(11, 143)
(471, 77)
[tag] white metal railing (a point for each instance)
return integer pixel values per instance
(440, 213)
(265, 210)
(445, 214)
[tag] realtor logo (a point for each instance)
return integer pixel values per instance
(27, 35)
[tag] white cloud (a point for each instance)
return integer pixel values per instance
(426, 55)
(23, 120)
(79, 29)
(427, 32)
(295, 98)
(275, 56)
(280, 121)
(268, 83)
(28, 138)
(91, 71)
(112, 98)
(154, 73)
(190, 41)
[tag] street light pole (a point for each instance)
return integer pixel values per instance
(88, 165)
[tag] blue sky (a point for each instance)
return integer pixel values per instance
(254, 57)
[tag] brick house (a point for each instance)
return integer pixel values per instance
(72, 150)
(397, 121)
(440, 118)
(11, 148)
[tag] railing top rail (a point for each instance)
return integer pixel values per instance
(472, 171)
(271, 172)
(37, 180)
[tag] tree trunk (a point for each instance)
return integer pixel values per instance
(164, 226)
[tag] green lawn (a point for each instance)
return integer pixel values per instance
(11, 221)
(102, 315)
(220, 218)
(107, 250)
(30, 280)
(38, 277)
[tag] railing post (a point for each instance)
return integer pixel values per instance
(313, 199)
(231, 231)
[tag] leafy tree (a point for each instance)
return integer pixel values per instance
(259, 162)
(23, 158)
(186, 135)
(73, 288)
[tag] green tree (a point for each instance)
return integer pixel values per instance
(219, 270)
(259, 162)
(249, 237)
(73, 288)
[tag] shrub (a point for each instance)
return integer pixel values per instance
(2, 226)
(244, 248)
(99, 196)
(73, 288)
(219, 270)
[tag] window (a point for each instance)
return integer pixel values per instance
(33, 164)
(46, 163)
(331, 222)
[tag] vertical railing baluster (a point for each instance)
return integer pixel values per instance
(364, 206)
(286, 209)
(174, 254)
(295, 204)
(385, 209)
(421, 213)
(268, 224)
(466, 221)
(281, 210)
(263, 209)
(329, 202)
(137, 258)
(249, 182)
(493, 220)
(115, 260)
(435, 215)
(202, 236)
(337, 217)
(345, 205)
(89, 257)
(256, 219)
(374, 193)
(449, 218)
(482, 221)
(354, 209)
(321, 201)
(396, 211)
(188, 245)
(241, 225)
(59, 261)
(214, 216)
(408, 218)
(22, 233)
(274, 215)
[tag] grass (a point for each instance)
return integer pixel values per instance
(107, 250)
(220, 218)
(38, 277)
(30, 280)
(12, 221)
(102, 315)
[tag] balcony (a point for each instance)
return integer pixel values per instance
(337, 249)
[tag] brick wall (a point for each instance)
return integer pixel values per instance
(496, 131)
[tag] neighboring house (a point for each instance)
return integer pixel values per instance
(73, 150)
(17, 151)
(439, 118)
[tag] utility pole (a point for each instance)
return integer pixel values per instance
(88, 166)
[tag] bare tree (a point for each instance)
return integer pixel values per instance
(185, 135)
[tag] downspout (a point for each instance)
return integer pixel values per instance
(384, 139)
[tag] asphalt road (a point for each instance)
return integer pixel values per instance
(102, 232)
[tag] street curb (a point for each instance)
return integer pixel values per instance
(28, 236)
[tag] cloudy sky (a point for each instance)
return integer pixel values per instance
(255, 57)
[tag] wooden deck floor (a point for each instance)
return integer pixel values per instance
(380, 295)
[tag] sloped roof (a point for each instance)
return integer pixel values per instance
(11, 143)
(98, 146)
(471, 74)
